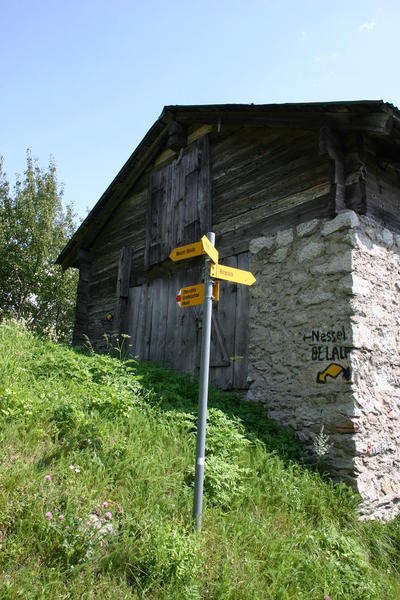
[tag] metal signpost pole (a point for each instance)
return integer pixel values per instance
(203, 391)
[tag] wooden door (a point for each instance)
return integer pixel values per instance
(162, 332)
(178, 203)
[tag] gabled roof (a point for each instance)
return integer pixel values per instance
(375, 117)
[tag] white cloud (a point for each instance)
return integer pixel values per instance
(367, 26)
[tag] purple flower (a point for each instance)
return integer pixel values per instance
(327, 598)
(49, 516)
(105, 504)
(47, 478)
(108, 516)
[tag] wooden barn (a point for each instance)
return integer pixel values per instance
(239, 170)
(307, 196)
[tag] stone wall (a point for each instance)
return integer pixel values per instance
(319, 356)
(376, 365)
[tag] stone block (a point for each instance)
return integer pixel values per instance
(305, 229)
(310, 251)
(355, 285)
(386, 237)
(261, 243)
(311, 297)
(346, 283)
(337, 264)
(297, 277)
(279, 255)
(362, 337)
(344, 220)
(361, 286)
(284, 238)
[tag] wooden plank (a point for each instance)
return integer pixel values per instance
(331, 144)
(263, 213)
(261, 174)
(123, 277)
(191, 228)
(198, 133)
(374, 122)
(134, 318)
(225, 315)
(178, 355)
(164, 156)
(204, 187)
(147, 332)
(163, 308)
(241, 352)
(170, 345)
(229, 242)
(81, 325)
(156, 340)
(189, 330)
(383, 197)
(142, 318)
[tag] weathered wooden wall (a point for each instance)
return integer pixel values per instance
(262, 180)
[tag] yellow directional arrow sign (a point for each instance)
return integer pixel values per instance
(188, 251)
(193, 295)
(231, 274)
(195, 249)
(209, 249)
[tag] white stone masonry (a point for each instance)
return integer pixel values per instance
(324, 346)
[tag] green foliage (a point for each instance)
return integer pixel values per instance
(97, 455)
(34, 228)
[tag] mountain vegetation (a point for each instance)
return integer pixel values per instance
(96, 490)
(34, 227)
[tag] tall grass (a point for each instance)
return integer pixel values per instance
(96, 476)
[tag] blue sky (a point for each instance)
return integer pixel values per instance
(82, 81)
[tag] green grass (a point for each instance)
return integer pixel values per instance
(123, 433)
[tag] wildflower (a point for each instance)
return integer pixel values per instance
(47, 478)
(108, 516)
(49, 516)
(72, 467)
(105, 504)
(120, 509)
(327, 598)
(77, 470)
(61, 517)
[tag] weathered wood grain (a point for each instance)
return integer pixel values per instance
(81, 325)
(179, 203)
(123, 279)
(331, 144)
(241, 355)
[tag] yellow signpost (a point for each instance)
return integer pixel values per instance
(209, 249)
(188, 251)
(231, 274)
(193, 295)
(195, 249)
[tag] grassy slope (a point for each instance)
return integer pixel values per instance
(271, 528)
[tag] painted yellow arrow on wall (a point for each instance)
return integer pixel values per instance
(333, 370)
